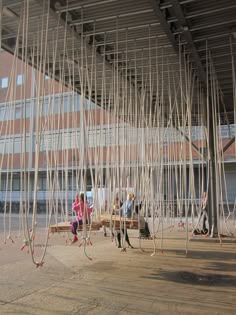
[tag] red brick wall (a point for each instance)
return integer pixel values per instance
(10, 67)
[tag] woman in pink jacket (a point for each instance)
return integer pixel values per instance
(83, 212)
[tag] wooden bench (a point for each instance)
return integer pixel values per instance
(116, 221)
(66, 227)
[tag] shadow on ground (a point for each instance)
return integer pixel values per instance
(209, 255)
(193, 254)
(220, 266)
(194, 278)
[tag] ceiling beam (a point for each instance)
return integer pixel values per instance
(166, 27)
(188, 37)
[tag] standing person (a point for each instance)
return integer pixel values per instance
(117, 204)
(143, 224)
(202, 216)
(126, 211)
(204, 213)
(83, 210)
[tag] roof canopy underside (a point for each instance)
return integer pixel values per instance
(154, 48)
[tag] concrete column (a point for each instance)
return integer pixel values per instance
(212, 205)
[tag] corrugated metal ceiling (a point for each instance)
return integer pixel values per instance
(135, 35)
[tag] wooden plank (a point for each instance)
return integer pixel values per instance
(66, 227)
(116, 221)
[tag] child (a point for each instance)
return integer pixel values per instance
(83, 211)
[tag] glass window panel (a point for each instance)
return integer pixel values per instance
(16, 183)
(55, 105)
(9, 146)
(18, 112)
(6, 113)
(17, 145)
(2, 113)
(4, 82)
(50, 142)
(42, 143)
(45, 107)
(27, 110)
(77, 103)
(5, 183)
(19, 79)
(2, 146)
(67, 142)
(66, 103)
(75, 139)
(42, 183)
(92, 138)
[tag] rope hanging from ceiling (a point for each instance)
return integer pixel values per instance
(138, 140)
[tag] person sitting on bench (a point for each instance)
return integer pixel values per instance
(83, 211)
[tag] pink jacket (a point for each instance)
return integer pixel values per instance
(78, 206)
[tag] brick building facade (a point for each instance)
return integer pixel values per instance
(26, 95)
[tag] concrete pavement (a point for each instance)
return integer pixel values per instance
(112, 283)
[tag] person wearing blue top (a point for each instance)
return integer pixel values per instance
(126, 210)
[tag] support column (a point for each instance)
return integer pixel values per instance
(211, 204)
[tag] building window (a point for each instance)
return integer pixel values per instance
(4, 82)
(27, 110)
(5, 184)
(3, 113)
(19, 79)
(42, 183)
(17, 145)
(18, 111)
(45, 106)
(66, 140)
(16, 183)
(55, 105)
(6, 146)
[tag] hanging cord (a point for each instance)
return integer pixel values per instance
(7, 123)
(1, 14)
(233, 85)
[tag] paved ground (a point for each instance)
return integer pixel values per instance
(119, 283)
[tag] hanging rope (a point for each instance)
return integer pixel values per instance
(140, 140)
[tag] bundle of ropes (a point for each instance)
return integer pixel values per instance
(143, 127)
